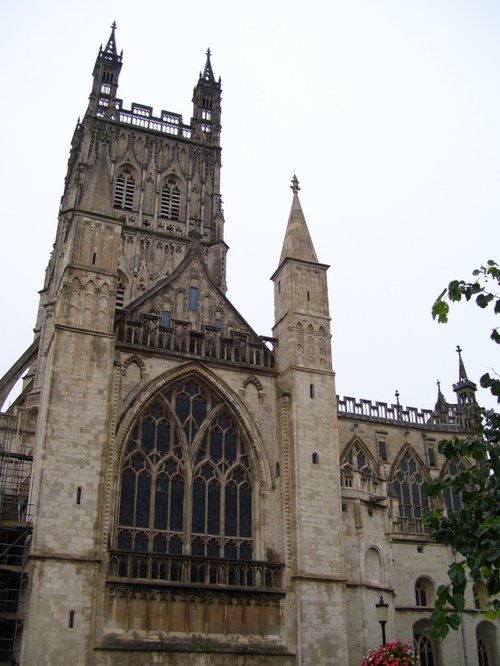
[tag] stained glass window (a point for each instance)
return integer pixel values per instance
(186, 450)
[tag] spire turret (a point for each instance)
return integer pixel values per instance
(464, 388)
(106, 72)
(208, 74)
(206, 104)
(297, 243)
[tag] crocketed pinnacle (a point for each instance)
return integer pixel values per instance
(297, 243)
(109, 50)
(208, 74)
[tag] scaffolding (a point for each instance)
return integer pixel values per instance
(15, 525)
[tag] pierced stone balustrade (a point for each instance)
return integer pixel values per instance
(207, 344)
(411, 526)
(181, 570)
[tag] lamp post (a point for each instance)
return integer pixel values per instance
(382, 611)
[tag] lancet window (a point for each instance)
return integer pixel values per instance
(407, 484)
(124, 190)
(186, 481)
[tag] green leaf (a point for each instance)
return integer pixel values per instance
(440, 311)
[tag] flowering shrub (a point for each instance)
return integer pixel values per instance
(395, 653)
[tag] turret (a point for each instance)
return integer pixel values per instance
(464, 388)
(206, 104)
(301, 296)
(102, 100)
(466, 395)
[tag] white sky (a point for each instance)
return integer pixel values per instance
(389, 111)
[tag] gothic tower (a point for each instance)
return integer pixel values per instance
(309, 446)
(156, 515)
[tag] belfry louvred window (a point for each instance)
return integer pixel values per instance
(170, 202)
(186, 486)
(124, 190)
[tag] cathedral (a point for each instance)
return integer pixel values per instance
(177, 489)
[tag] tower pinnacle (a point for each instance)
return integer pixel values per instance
(102, 100)
(110, 48)
(464, 388)
(297, 243)
(208, 74)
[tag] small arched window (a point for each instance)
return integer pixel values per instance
(315, 459)
(124, 190)
(170, 201)
(424, 592)
(486, 643)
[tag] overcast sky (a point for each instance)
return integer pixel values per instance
(388, 111)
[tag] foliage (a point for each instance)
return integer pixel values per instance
(395, 653)
(474, 530)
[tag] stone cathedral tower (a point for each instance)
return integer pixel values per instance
(175, 488)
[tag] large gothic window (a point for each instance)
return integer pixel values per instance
(186, 485)
(407, 484)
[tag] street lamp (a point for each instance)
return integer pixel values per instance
(382, 612)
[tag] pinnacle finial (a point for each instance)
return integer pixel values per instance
(397, 398)
(462, 374)
(209, 52)
(295, 184)
(113, 26)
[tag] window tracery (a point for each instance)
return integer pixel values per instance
(425, 650)
(407, 485)
(482, 653)
(185, 479)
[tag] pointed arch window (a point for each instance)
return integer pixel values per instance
(124, 190)
(357, 469)
(408, 486)
(186, 480)
(170, 201)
